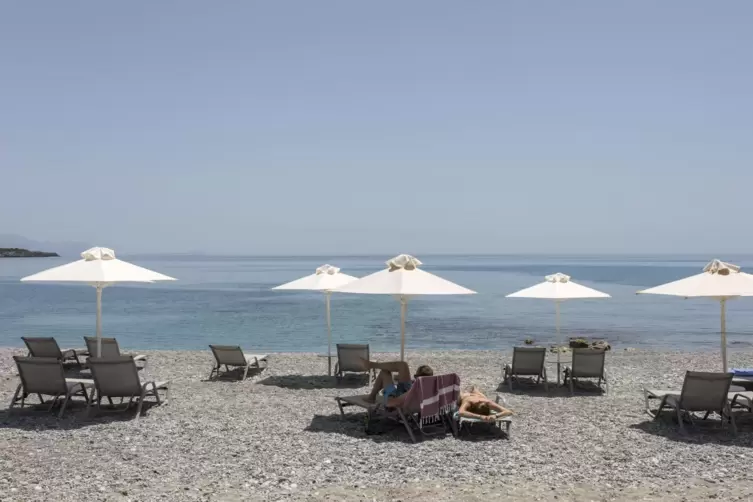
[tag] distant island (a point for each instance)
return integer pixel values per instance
(24, 253)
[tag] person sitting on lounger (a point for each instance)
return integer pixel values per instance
(394, 389)
(474, 404)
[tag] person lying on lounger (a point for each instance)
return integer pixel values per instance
(394, 389)
(474, 404)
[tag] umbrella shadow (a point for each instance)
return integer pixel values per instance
(710, 431)
(302, 382)
(38, 417)
(380, 430)
(529, 387)
(235, 375)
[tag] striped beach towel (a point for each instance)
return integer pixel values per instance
(438, 396)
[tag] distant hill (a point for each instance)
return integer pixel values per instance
(68, 249)
(24, 253)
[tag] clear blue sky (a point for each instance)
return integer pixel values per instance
(349, 127)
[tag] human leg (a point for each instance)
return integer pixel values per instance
(399, 367)
(383, 380)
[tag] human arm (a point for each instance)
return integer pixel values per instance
(497, 408)
(463, 412)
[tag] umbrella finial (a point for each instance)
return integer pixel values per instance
(98, 254)
(558, 277)
(327, 269)
(403, 261)
(722, 268)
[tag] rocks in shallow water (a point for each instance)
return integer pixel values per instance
(578, 343)
(555, 349)
(601, 344)
(584, 343)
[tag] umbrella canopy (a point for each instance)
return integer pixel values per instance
(558, 287)
(403, 278)
(720, 281)
(326, 278)
(98, 267)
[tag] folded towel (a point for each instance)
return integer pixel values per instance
(742, 371)
(437, 395)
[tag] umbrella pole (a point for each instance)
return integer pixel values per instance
(559, 337)
(329, 336)
(403, 308)
(99, 320)
(723, 303)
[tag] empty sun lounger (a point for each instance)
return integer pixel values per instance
(428, 406)
(349, 357)
(232, 356)
(48, 347)
(587, 363)
(701, 392)
(45, 376)
(528, 362)
(119, 377)
(110, 349)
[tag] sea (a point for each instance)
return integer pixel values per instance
(228, 300)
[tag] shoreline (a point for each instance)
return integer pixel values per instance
(278, 435)
(322, 354)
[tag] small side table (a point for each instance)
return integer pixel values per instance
(563, 361)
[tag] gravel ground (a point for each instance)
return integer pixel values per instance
(278, 436)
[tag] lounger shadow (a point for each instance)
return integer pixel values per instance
(298, 382)
(382, 431)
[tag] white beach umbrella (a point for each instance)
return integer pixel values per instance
(720, 281)
(326, 278)
(558, 287)
(403, 279)
(98, 267)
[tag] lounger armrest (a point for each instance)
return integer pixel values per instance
(140, 357)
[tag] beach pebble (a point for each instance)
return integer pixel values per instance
(279, 435)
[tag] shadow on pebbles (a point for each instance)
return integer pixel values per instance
(278, 435)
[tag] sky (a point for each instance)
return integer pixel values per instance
(430, 126)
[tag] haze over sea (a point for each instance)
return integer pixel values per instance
(228, 300)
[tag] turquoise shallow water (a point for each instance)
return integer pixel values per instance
(228, 300)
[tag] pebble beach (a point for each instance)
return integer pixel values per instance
(278, 435)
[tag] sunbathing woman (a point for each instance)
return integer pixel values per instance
(474, 404)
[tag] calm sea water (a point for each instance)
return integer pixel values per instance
(228, 300)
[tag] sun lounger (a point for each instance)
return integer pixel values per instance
(528, 362)
(701, 392)
(45, 376)
(119, 377)
(587, 363)
(232, 356)
(427, 407)
(741, 400)
(48, 347)
(349, 357)
(468, 424)
(736, 399)
(110, 349)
